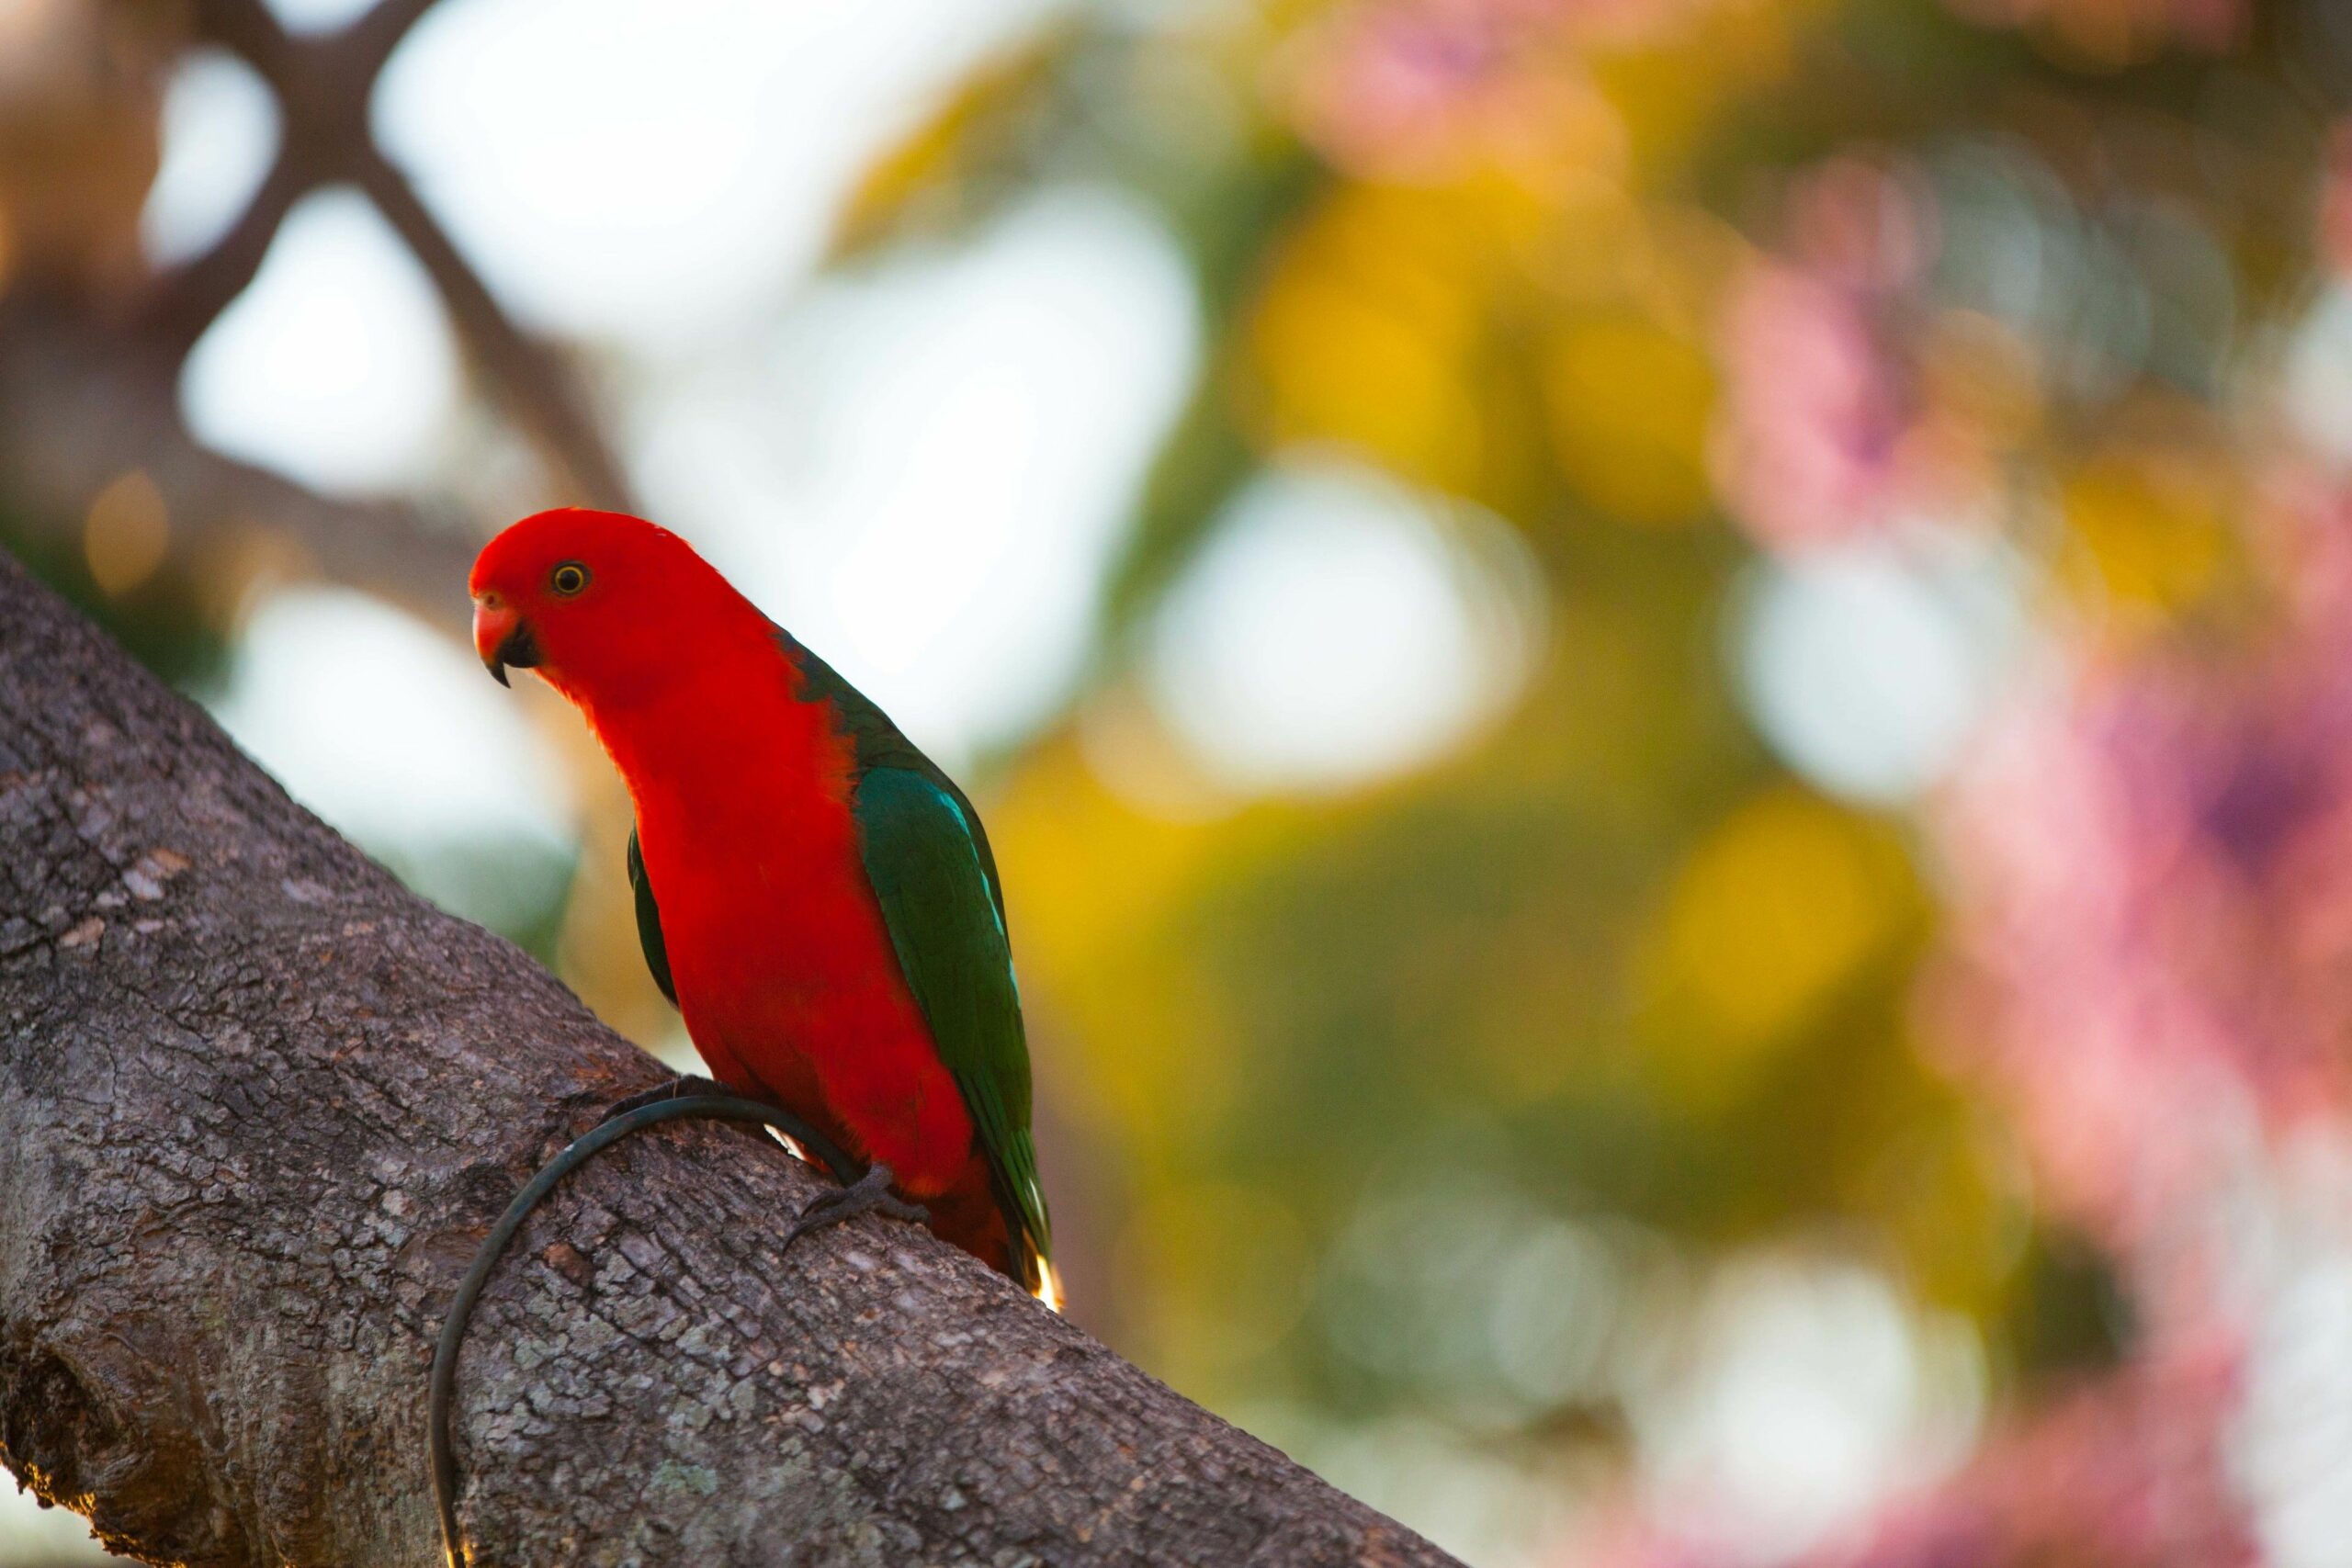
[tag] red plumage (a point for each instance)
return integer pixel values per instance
(781, 960)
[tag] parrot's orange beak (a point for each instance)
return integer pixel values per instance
(502, 638)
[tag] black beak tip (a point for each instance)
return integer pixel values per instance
(519, 650)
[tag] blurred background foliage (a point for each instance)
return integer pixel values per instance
(1666, 685)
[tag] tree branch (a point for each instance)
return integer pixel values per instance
(258, 1105)
(376, 35)
(183, 304)
(322, 86)
(534, 387)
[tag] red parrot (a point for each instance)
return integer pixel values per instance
(814, 894)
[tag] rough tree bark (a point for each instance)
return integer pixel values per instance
(258, 1106)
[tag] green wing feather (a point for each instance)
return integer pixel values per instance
(879, 743)
(648, 921)
(923, 859)
(934, 874)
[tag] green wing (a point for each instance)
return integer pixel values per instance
(929, 859)
(879, 743)
(926, 856)
(648, 921)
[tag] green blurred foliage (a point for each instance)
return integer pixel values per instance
(1610, 964)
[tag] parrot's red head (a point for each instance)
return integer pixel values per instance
(600, 604)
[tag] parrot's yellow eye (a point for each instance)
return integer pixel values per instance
(569, 577)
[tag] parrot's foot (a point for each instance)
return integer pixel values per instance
(684, 1086)
(869, 1193)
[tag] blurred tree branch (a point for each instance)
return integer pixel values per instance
(324, 85)
(258, 1107)
(86, 405)
(89, 379)
(533, 388)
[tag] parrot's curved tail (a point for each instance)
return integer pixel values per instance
(973, 1213)
(671, 1107)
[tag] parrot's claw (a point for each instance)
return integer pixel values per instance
(869, 1193)
(684, 1086)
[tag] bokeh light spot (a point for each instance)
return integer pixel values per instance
(926, 474)
(126, 534)
(220, 130)
(385, 728)
(1770, 915)
(335, 367)
(1868, 665)
(1338, 628)
(652, 172)
(1809, 1390)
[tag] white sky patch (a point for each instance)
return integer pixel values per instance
(220, 129)
(2319, 376)
(926, 477)
(1812, 1395)
(387, 729)
(1338, 628)
(336, 368)
(30, 1533)
(318, 16)
(2286, 1235)
(2295, 1434)
(1461, 1493)
(649, 173)
(1867, 665)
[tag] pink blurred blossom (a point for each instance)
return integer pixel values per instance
(1426, 89)
(1826, 432)
(1817, 410)
(2336, 199)
(2150, 863)
(2148, 867)
(2128, 1474)
(1421, 89)
(1861, 223)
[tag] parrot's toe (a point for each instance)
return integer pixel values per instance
(681, 1088)
(869, 1193)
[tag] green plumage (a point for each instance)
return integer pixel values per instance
(922, 854)
(648, 921)
(928, 858)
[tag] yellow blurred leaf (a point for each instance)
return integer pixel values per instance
(1213, 1272)
(1371, 327)
(2151, 533)
(1629, 405)
(944, 151)
(1772, 914)
(1092, 884)
(1668, 93)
